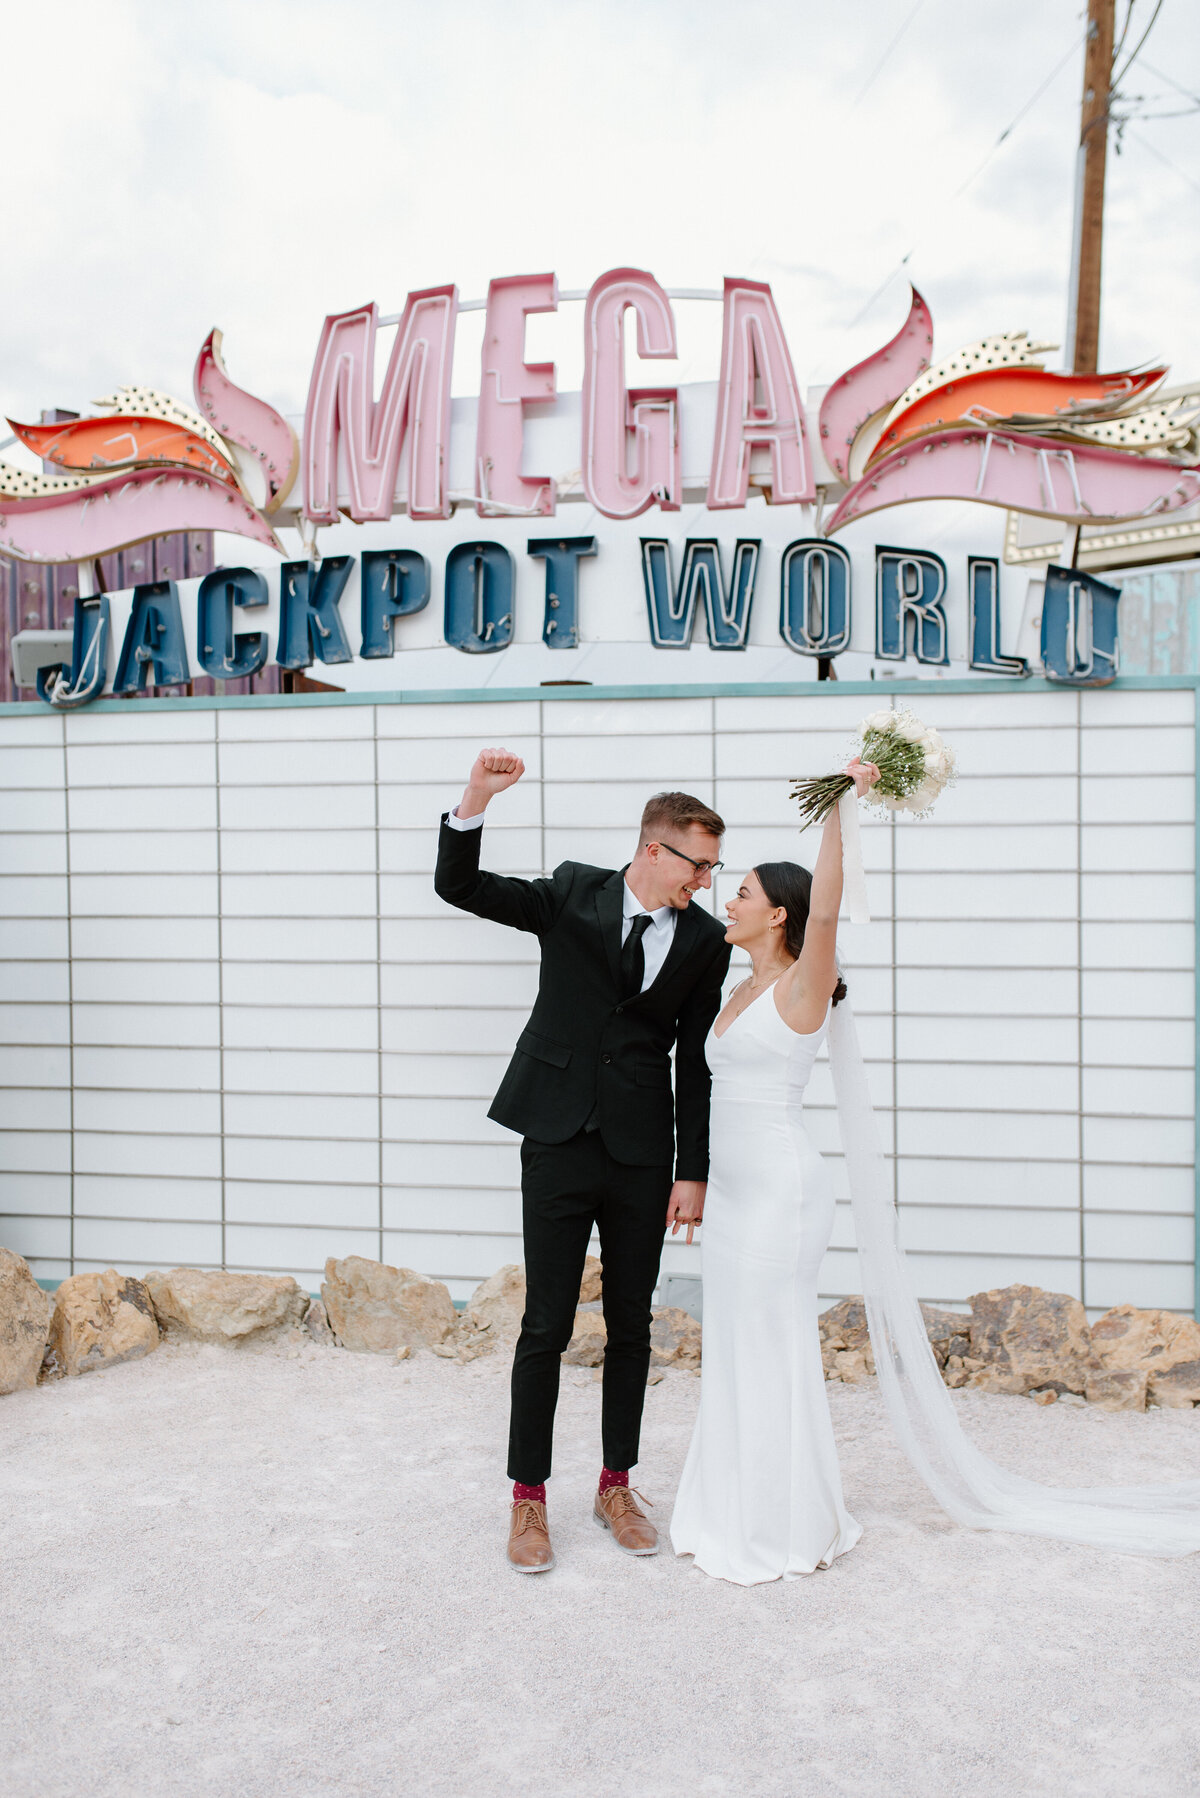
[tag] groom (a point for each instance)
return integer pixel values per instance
(629, 967)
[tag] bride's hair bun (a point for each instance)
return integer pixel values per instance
(839, 992)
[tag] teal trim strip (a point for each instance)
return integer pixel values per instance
(1132, 683)
(1196, 1025)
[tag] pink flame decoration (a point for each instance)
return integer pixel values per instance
(249, 422)
(147, 502)
(873, 384)
(1076, 483)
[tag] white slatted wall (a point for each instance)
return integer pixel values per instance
(243, 1030)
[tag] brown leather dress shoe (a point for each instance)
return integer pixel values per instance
(529, 1549)
(617, 1510)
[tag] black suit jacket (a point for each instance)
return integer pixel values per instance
(584, 1047)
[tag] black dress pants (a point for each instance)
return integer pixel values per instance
(566, 1188)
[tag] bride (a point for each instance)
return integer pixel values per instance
(760, 1497)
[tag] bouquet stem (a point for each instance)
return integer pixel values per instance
(817, 798)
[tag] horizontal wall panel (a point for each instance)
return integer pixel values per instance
(445, 1120)
(334, 1206)
(1117, 751)
(296, 763)
(302, 1071)
(1151, 1285)
(447, 984)
(298, 895)
(946, 1276)
(475, 720)
(1134, 1042)
(35, 1151)
(294, 1246)
(1136, 1189)
(990, 895)
(139, 764)
(148, 1112)
(1111, 1237)
(33, 895)
(1113, 799)
(298, 808)
(450, 1076)
(307, 1158)
(1042, 1185)
(1011, 1136)
(143, 809)
(433, 1208)
(268, 939)
(473, 1258)
(504, 849)
(1137, 898)
(1124, 946)
(37, 982)
(146, 982)
(1015, 992)
(976, 1230)
(34, 1193)
(32, 939)
(451, 1164)
(1001, 944)
(301, 983)
(146, 1026)
(35, 852)
(300, 1027)
(1018, 847)
(1146, 1092)
(169, 1244)
(1149, 993)
(35, 1108)
(1142, 1141)
(421, 807)
(163, 1068)
(461, 939)
(446, 760)
(1037, 1086)
(282, 724)
(411, 1031)
(144, 895)
(298, 851)
(36, 1238)
(35, 765)
(177, 1197)
(344, 1116)
(134, 725)
(146, 851)
(993, 1039)
(116, 1153)
(39, 1025)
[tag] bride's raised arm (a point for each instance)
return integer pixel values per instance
(805, 990)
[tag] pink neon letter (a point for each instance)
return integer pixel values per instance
(630, 438)
(758, 402)
(507, 384)
(414, 403)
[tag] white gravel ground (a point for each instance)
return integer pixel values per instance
(247, 1576)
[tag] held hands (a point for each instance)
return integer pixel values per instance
(686, 1206)
(864, 775)
(494, 770)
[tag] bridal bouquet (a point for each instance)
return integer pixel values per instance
(913, 761)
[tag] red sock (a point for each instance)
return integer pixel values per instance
(536, 1493)
(610, 1477)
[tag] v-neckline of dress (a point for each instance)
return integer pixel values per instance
(720, 1035)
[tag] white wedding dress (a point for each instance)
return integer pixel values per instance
(761, 1495)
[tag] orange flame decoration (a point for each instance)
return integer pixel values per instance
(104, 501)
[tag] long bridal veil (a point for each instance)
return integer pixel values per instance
(1148, 1520)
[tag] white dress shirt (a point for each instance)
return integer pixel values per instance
(659, 932)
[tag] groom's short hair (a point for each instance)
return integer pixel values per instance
(677, 811)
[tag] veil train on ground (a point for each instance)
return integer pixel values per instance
(1146, 1520)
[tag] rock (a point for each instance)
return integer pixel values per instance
(213, 1306)
(495, 1307)
(1028, 1338)
(949, 1332)
(403, 1353)
(493, 1311)
(586, 1347)
(675, 1338)
(1177, 1387)
(846, 1352)
(316, 1321)
(24, 1323)
(1127, 1337)
(100, 1320)
(590, 1289)
(1045, 1395)
(1117, 1388)
(375, 1309)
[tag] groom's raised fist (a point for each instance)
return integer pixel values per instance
(493, 770)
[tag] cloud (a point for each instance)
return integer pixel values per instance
(258, 166)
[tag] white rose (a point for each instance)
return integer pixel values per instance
(876, 721)
(930, 739)
(911, 730)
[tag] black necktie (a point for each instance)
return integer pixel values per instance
(633, 957)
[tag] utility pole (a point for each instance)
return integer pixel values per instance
(1083, 320)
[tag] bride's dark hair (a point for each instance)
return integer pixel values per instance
(789, 885)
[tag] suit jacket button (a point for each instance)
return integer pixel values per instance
(620, 1009)
(606, 1058)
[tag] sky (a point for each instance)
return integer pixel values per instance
(255, 165)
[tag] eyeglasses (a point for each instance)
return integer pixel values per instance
(700, 867)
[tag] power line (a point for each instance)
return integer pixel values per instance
(882, 63)
(1158, 6)
(1165, 160)
(1171, 82)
